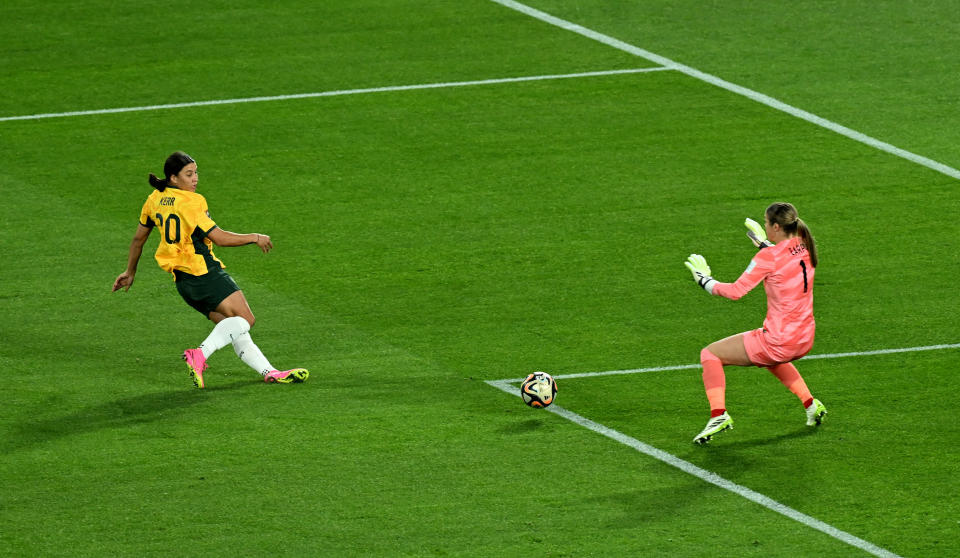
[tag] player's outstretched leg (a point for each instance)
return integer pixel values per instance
(197, 364)
(295, 375)
(815, 413)
(714, 425)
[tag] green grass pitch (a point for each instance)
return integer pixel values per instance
(429, 240)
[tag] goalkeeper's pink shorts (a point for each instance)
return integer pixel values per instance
(764, 353)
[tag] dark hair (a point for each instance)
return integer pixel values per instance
(172, 167)
(785, 215)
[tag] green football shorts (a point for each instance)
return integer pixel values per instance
(205, 292)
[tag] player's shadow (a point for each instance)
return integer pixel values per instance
(758, 442)
(645, 506)
(120, 413)
(523, 426)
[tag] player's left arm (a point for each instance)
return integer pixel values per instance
(756, 234)
(221, 237)
(125, 279)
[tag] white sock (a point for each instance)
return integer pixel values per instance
(223, 333)
(250, 353)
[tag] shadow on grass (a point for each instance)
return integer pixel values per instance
(639, 506)
(759, 442)
(139, 409)
(522, 427)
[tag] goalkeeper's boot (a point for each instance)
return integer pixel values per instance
(714, 426)
(815, 413)
(294, 376)
(197, 363)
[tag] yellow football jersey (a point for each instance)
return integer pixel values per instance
(183, 220)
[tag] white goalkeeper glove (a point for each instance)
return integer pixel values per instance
(701, 272)
(757, 234)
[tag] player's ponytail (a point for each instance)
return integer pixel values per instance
(157, 183)
(804, 231)
(785, 215)
(171, 167)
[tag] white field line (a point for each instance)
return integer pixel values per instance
(740, 90)
(332, 93)
(708, 476)
(691, 366)
(508, 386)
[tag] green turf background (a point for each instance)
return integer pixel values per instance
(430, 240)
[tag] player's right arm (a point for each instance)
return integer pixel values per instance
(760, 266)
(125, 279)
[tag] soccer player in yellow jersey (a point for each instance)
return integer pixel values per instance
(187, 236)
(785, 264)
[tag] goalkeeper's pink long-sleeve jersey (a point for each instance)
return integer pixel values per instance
(788, 280)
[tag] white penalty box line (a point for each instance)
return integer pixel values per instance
(691, 366)
(335, 93)
(732, 87)
(707, 476)
(508, 386)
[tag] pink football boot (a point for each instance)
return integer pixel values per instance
(296, 375)
(197, 363)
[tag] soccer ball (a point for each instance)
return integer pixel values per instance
(538, 390)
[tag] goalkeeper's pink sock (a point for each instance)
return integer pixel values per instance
(789, 376)
(714, 382)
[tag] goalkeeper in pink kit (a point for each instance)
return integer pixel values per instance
(785, 263)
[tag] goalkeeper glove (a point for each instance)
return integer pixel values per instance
(701, 272)
(757, 234)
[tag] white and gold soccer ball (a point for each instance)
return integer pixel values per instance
(538, 390)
